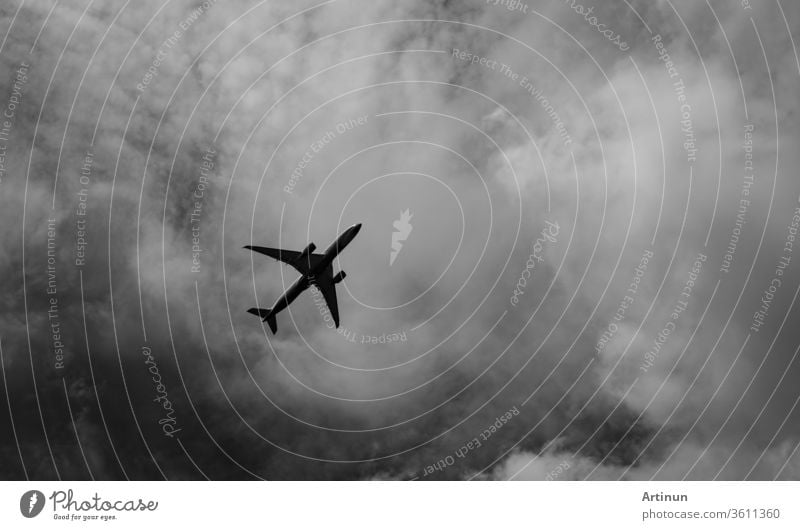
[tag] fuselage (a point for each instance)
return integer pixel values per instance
(336, 247)
(305, 281)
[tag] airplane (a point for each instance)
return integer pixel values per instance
(315, 269)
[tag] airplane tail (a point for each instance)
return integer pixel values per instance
(266, 315)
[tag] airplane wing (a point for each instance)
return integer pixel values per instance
(324, 283)
(290, 257)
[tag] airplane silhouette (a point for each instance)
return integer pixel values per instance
(314, 269)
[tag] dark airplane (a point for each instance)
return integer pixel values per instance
(315, 269)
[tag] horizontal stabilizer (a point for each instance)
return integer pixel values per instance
(266, 315)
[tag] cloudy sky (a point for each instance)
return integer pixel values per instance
(599, 282)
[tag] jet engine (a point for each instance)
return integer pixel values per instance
(339, 277)
(306, 252)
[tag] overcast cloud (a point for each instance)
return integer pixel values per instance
(136, 131)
